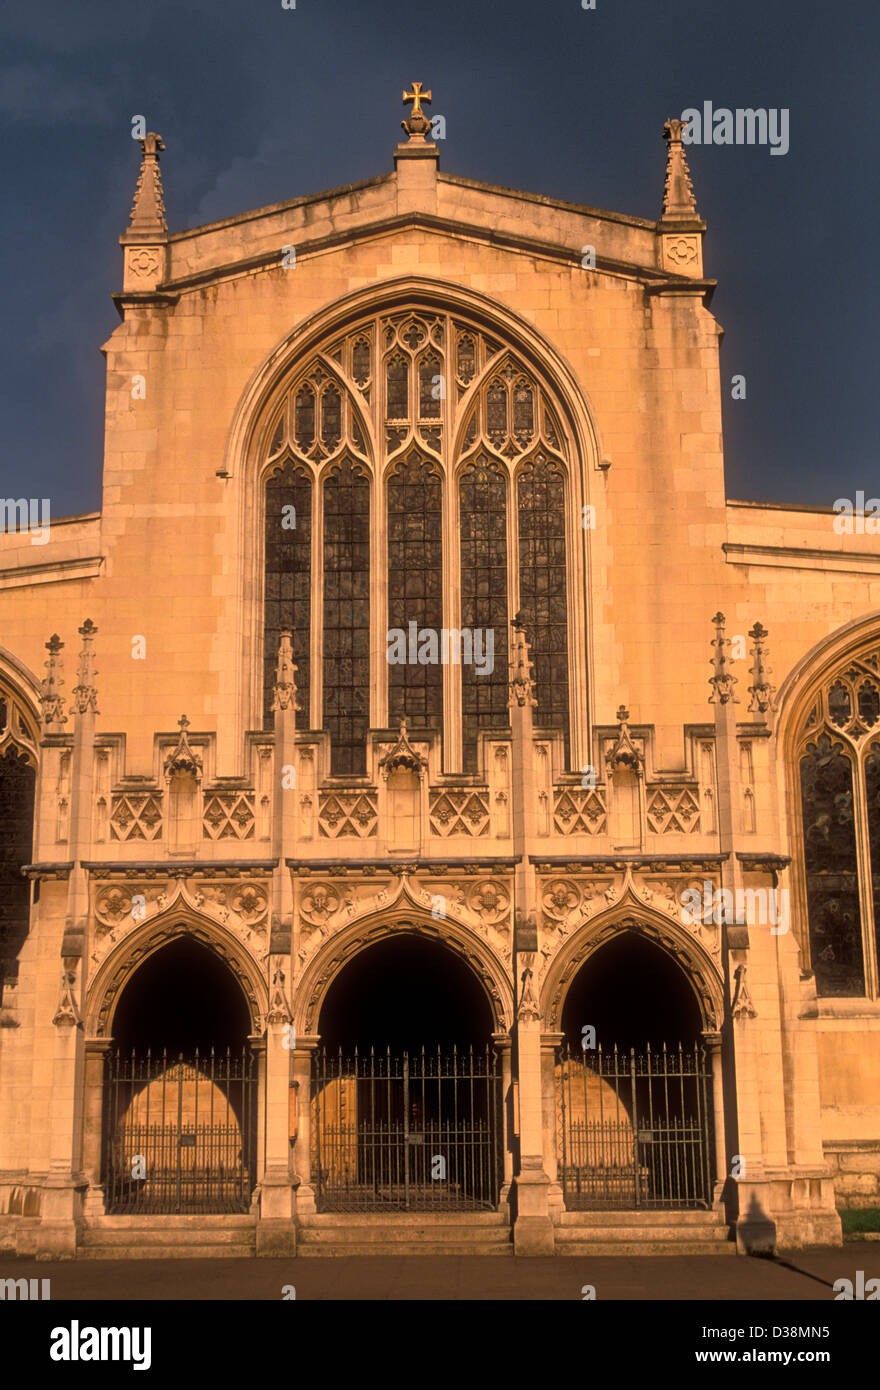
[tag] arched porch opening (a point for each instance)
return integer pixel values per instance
(634, 1083)
(180, 1088)
(407, 1084)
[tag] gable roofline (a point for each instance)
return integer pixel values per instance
(346, 189)
(651, 275)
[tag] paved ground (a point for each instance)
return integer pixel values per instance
(803, 1275)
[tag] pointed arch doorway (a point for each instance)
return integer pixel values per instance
(634, 1084)
(180, 1089)
(406, 1094)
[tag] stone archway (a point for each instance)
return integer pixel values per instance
(406, 1089)
(636, 1083)
(315, 981)
(180, 921)
(173, 1071)
(698, 964)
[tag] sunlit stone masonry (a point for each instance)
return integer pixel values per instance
(432, 815)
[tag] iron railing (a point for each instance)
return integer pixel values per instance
(179, 1132)
(634, 1129)
(406, 1131)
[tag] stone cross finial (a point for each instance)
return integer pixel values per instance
(51, 700)
(761, 691)
(721, 680)
(147, 219)
(416, 122)
(85, 695)
(679, 203)
(284, 690)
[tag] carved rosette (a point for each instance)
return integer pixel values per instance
(484, 905)
(119, 907)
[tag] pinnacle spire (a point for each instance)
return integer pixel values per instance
(147, 221)
(51, 699)
(679, 203)
(85, 695)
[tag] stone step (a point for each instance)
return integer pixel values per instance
(331, 1249)
(641, 1218)
(326, 1220)
(389, 1235)
(148, 1236)
(646, 1246)
(633, 1234)
(193, 1222)
(404, 1233)
(135, 1250)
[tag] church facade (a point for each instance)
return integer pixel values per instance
(433, 816)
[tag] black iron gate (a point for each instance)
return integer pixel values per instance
(416, 1131)
(634, 1129)
(179, 1132)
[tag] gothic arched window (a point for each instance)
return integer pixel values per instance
(483, 527)
(404, 421)
(839, 764)
(18, 762)
(347, 616)
(288, 577)
(415, 589)
(542, 585)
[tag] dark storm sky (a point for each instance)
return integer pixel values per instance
(257, 104)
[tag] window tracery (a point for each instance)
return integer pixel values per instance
(839, 764)
(430, 416)
(18, 763)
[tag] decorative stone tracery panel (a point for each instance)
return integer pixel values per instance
(674, 809)
(228, 816)
(460, 812)
(348, 813)
(136, 816)
(579, 812)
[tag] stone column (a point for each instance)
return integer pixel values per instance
(276, 1233)
(62, 1206)
(64, 1189)
(301, 1122)
(756, 1232)
(712, 1043)
(96, 1050)
(502, 1045)
(550, 1044)
(532, 1228)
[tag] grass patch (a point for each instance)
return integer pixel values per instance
(860, 1219)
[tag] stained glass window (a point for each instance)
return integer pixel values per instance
(347, 616)
(831, 867)
(467, 359)
(415, 588)
(398, 378)
(872, 788)
(430, 387)
(496, 412)
(304, 422)
(288, 580)
(523, 412)
(542, 587)
(360, 362)
(433, 370)
(331, 417)
(17, 784)
(483, 527)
